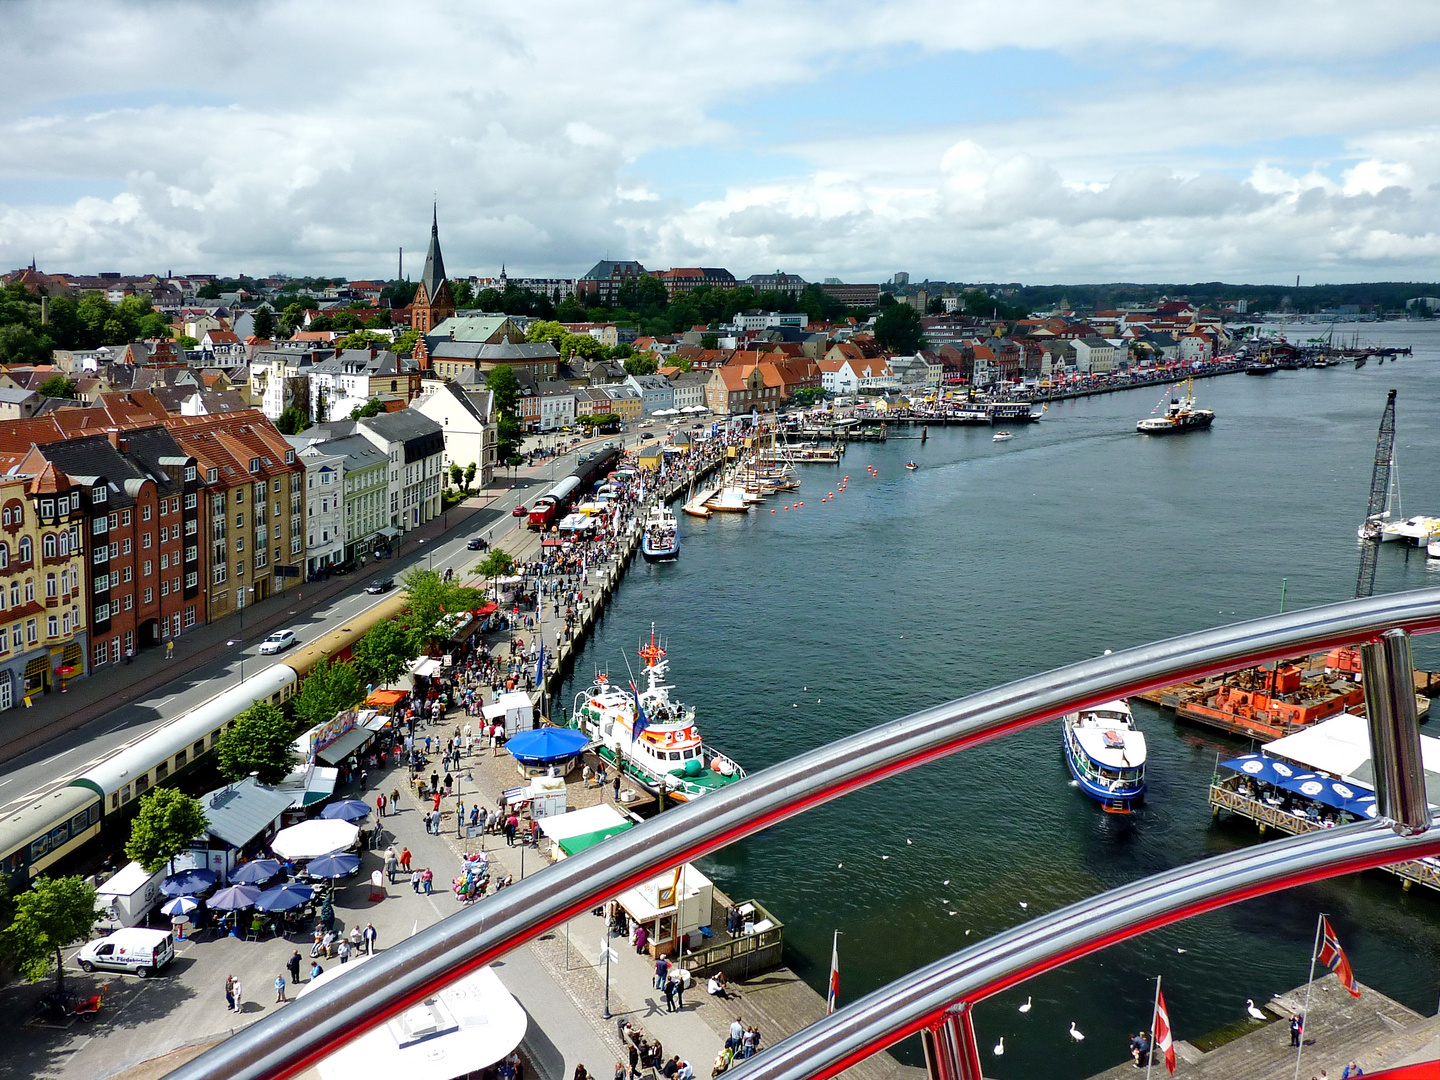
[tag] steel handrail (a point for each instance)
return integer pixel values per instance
(319, 1023)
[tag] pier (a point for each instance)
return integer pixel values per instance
(1373, 1031)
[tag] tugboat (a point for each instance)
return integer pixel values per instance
(649, 737)
(1106, 755)
(660, 541)
(1181, 416)
(1261, 367)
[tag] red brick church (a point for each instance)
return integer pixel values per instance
(433, 303)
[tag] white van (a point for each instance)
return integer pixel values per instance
(134, 949)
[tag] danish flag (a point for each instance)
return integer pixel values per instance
(1163, 1040)
(1333, 957)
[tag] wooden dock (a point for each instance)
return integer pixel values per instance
(1372, 1030)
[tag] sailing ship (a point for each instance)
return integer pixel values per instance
(1182, 415)
(660, 541)
(649, 736)
(1106, 755)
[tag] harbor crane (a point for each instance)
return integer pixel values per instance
(1370, 532)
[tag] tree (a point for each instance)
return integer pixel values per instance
(373, 407)
(469, 475)
(265, 322)
(570, 310)
(405, 344)
(327, 691)
(260, 740)
(364, 339)
(381, 655)
(710, 341)
(20, 345)
(52, 915)
(898, 329)
(292, 421)
(185, 341)
(457, 475)
(431, 599)
(59, 386)
(209, 291)
(641, 364)
(168, 820)
(462, 292)
(497, 564)
(505, 386)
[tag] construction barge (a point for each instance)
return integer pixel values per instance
(1278, 699)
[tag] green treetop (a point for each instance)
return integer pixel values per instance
(260, 740)
(168, 820)
(52, 915)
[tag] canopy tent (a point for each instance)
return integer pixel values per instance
(573, 845)
(468, 1026)
(385, 699)
(1340, 747)
(546, 745)
(424, 666)
(188, 882)
(234, 898)
(311, 839)
(1335, 793)
(585, 827)
(256, 872)
(351, 742)
(346, 810)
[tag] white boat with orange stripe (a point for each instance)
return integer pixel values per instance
(650, 736)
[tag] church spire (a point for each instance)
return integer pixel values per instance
(434, 275)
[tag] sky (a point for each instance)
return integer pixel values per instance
(1017, 141)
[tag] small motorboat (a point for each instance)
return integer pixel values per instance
(1002, 436)
(912, 466)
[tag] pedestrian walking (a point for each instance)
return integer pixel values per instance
(344, 951)
(235, 988)
(405, 859)
(669, 995)
(617, 786)
(395, 798)
(392, 863)
(1297, 1025)
(662, 971)
(315, 970)
(380, 804)
(294, 965)
(169, 650)
(368, 935)
(428, 878)
(230, 992)
(279, 988)
(415, 883)
(364, 779)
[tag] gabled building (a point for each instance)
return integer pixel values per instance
(655, 392)
(324, 508)
(432, 303)
(688, 389)
(601, 285)
(472, 361)
(738, 390)
(414, 445)
(683, 280)
(557, 405)
(348, 379)
(365, 484)
(467, 419)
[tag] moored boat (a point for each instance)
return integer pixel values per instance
(660, 540)
(1106, 755)
(651, 737)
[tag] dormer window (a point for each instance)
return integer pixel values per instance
(254, 464)
(98, 494)
(189, 472)
(212, 475)
(289, 457)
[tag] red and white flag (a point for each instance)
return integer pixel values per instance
(832, 994)
(1333, 957)
(1163, 1040)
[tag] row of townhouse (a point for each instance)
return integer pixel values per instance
(118, 536)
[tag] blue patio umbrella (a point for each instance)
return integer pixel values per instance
(234, 898)
(333, 866)
(257, 872)
(188, 882)
(346, 810)
(284, 897)
(546, 745)
(181, 905)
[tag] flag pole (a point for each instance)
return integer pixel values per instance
(1305, 1012)
(1154, 1012)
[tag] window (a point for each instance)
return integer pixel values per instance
(4, 555)
(124, 517)
(260, 559)
(240, 543)
(212, 476)
(114, 578)
(164, 507)
(145, 512)
(27, 550)
(192, 527)
(32, 631)
(254, 464)
(239, 569)
(50, 590)
(175, 625)
(219, 577)
(129, 641)
(127, 575)
(192, 553)
(47, 508)
(189, 472)
(102, 582)
(115, 650)
(113, 518)
(5, 642)
(99, 526)
(52, 626)
(164, 589)
(239, 521)
(129, 602)
(275, 485)
(102, 612)
(289, 457)
(175, 504)
(148, 569)
(29, 591)
(149, 596)
(239, 495)
(190, 616)
(161, 771)
(7, 515)
(164, 562)
(191, 500)
(100, 654)
(147, 540)
(125, 546)
(47, 545)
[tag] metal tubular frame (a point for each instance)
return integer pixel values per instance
(1389, 670)
(288, 1041)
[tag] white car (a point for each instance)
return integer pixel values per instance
(277, 642)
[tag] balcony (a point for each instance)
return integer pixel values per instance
(935, 1000)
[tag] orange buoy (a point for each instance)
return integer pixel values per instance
(800, 504)
(772, 511)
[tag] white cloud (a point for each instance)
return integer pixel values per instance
(309, 137)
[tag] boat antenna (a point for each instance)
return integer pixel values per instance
(631, 671)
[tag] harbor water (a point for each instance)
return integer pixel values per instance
(996, 560)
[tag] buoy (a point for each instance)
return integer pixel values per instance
(800, 504)
(772, 511)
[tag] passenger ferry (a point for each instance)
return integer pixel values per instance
(660, 541)
(1106, 755)
(652, 738)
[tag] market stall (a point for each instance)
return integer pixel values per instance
(572, 833)
(672, 907)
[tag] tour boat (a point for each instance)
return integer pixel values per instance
(1106, 755)
(649, 736)
(1001, 436)
(661, 539)
(912, 466)
(1182, 415)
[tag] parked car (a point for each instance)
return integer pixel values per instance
(519, 511)
(475, 543)
(135, 949)
(380, 585)
(277, 642)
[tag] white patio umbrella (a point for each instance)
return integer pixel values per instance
(486, 1023)
(311, 839)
